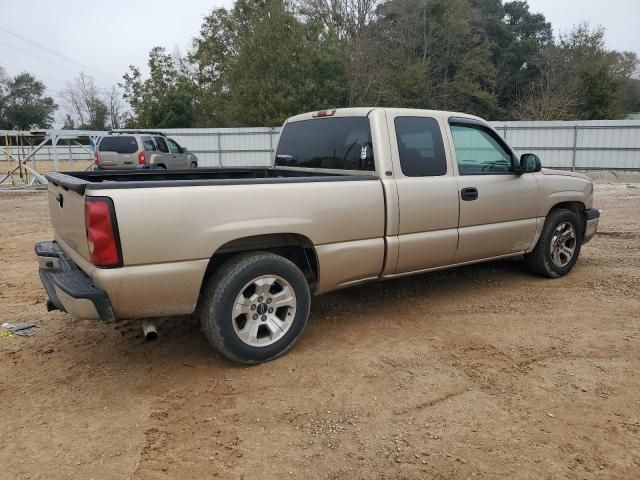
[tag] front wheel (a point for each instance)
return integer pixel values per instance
(254, 308)
(559, 244)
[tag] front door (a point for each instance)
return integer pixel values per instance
(178, 157)
(498, 207)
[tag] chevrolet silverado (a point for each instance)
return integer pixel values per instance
(353, 195)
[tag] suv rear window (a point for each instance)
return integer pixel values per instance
(118, 144)
(335, 143)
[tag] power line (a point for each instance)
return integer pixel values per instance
(66, 69)
(62, 83)
(68, 59)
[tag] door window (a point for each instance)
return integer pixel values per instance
(479, 151)
(162, 145)
(420, 147)
(173, 146)
(149, 146)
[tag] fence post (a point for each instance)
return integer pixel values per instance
(70, 153)
(505, 132)
(271, 159)
(219, 136)
(575, 147)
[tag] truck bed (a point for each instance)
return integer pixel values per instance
(98, 180)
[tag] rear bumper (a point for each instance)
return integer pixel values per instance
(591, 226)
(69, 288)
(133, 166)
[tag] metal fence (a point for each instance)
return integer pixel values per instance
(593, 145)
(588, 145)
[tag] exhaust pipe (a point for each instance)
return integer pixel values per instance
(149, 329)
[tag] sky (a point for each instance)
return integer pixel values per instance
(55, 40)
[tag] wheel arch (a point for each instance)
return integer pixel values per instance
(576, 206)
(293, 246)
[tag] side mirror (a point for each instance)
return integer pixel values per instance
(183, 150)
(530, 163)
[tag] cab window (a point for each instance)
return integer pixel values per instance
(420, 147)
(342, 143)
(479, 151)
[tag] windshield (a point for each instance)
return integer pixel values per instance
(333, 143)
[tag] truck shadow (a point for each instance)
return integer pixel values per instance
(180, 338)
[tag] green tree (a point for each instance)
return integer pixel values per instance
(168, 87)
(431, 56)
(25, 104)
(517, 36)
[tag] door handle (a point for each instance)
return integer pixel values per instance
(468, 194)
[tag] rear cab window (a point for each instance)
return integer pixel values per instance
(338, 143)
(420, 147)
(118, 144)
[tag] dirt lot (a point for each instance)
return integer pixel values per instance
(482, 372)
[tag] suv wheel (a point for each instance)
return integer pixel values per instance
(254, 308)
(559, 244)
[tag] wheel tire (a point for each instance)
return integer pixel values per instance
(540, 259)
(194, 165)
(224, 288)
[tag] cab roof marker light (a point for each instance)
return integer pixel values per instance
(324, 113)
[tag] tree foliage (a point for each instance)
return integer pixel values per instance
(23, 103)
(263, 60)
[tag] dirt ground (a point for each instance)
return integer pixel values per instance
(481, 372)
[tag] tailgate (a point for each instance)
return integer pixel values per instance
(66, 208)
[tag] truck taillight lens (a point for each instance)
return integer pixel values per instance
(96, 159)
(102, 232)
(141, 158)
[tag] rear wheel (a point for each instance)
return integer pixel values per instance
(255, 307)
(559, 244)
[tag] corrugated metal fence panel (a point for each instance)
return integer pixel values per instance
(229, 147)
(605, 144)
(592, 145)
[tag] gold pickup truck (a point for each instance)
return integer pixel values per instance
(354, 195)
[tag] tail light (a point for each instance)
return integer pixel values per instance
(142, 158)
(96, 158)
(102, 232)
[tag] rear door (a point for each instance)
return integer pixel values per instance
(178, 158)
(163, 158)
(118, 151)
(498, 207)
(427, 192)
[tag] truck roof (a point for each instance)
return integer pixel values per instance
(365, 111)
